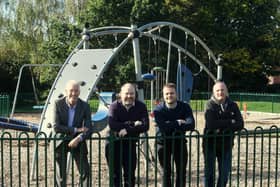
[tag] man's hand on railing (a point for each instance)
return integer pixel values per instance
(122, 133)
(181, 122)
(82, 130)
(75, 142)
(136, 123)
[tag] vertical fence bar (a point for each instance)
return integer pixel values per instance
(46, 157)
(11, 158)
(2, 161)
(246, 159)
(19, 162)
(138, 160)
(172, 157)
(254, 158)
(37, 161)
(189, 159)
(99, 160)
(262, 150)
(147, 158)
(198, 158)
(238, 158)
(277, 153)
(269, 155)
(156, 157)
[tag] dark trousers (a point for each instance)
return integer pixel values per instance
(80, 156)
(121, 154)
(178, 149)
(224, 166)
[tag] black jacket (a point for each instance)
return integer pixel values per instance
(166, 120)
(221, 119)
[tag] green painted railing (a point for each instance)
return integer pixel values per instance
(246, 101)
(255, 160)
(4, 105)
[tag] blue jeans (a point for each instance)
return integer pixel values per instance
(224, 166)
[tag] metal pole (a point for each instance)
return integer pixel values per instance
(18, 82)
(219, 68)
(15, 100)
(180, 76)
(152, 92)
(86, 36)
(168, 55)
(137, 60)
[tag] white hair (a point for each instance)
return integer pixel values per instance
(71, 83)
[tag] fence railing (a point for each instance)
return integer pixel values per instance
(255, 160)
(246, 101)
(4, 105)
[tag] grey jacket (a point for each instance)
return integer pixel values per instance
(82, 118)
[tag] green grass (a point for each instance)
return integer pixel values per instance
(261, 106)
(196, 105)
(258, 106)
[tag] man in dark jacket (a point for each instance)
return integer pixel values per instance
(128, 117)
(222, 118)
(173, 119)
(72, 118)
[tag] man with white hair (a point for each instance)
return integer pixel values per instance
(72, 118)
(222, 118)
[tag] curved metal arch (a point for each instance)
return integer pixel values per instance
(109, 28)
(184, 51)
(170, 24)
(146, 30)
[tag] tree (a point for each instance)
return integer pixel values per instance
(45, 31)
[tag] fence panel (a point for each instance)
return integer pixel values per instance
(4, 105)
(255, 160)
(252, 101)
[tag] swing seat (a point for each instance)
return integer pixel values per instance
(148, 76)
(99, 120)
(20, 125)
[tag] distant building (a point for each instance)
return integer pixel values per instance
(274, 79)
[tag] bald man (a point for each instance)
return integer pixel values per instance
(222, 118)
(128, 117)
(72, 118)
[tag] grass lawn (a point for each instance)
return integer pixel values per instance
(198, 105)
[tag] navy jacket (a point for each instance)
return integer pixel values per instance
(166, 119)
(120, 117)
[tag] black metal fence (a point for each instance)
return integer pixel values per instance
(260, 102)
(4, 105)
(255, 160)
